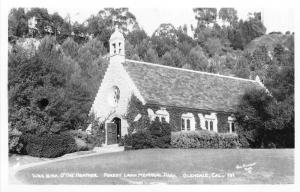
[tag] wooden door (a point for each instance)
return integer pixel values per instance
(111, 133)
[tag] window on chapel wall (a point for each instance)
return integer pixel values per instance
(211, 122)
(231, 120)
(114, 96)
(163, 115)
(182, 124)
(187, 122)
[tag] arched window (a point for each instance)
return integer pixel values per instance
(163, 114)
(211, 122)
(114, 96)
(187, 122)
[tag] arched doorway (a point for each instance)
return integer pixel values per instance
(117, 121)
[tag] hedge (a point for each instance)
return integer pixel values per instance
(49, 145)
(156, 135)
(204, 139)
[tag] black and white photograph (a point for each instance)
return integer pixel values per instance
(105, 94)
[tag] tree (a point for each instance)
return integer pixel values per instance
(259, 62)
(205, 16)
(102, 25)
(151, 56)
(135, 37)
(213, 46)
(241, 68)
(164, 38)
(197, 59)
(251, 29)
(228, 15)
(70, 48)
(265, 122)
(17, 22)
(173, 58)
(44, 23)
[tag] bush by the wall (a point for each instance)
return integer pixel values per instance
(141, 140)
(204, 139)
(50, 145)
(157, 134)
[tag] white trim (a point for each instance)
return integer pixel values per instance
(185, 117)
(163, 113)
(211, 118)
(231, 120)
(189, 70)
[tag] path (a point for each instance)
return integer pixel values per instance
(13, 169)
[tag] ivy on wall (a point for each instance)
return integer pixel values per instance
(135, 108)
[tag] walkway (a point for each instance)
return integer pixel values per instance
(96, 151)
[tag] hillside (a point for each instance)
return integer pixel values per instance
(269, 40)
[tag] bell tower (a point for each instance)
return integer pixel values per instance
(117, 47)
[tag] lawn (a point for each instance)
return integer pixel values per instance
(170, 166)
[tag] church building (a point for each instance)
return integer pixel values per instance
(189, 100)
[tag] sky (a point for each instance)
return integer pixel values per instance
(277, 16)
(150, 18)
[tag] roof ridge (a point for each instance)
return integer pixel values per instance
(189, 70)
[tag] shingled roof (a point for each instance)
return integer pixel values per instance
(169, 86)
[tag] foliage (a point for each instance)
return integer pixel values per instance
(264, 122)
(134, 109)
(205, 16)
(14, 144)
(97, 137)
(204, 139)
(17, 22)
(157, 134)
(197, 59)
(142, 140)
(48, 145)
(228, 15)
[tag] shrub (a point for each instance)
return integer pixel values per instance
(83, 140)
(81, 145)
(49, 145)
(157, 134)
(204, 139)
(142, 140)
(97, 138)
(14, 140)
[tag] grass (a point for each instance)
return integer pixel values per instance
(170, 166)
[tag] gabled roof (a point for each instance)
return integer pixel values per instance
(169, 86)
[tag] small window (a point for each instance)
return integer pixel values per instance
(188, 124)
(211, 125)
(182, 125)
(114, 45)
(163, 119)
(231, 127)
(206, 125)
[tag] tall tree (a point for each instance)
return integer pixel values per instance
(17, 22)
(102, 25)
(228, 15)
(205, 16)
